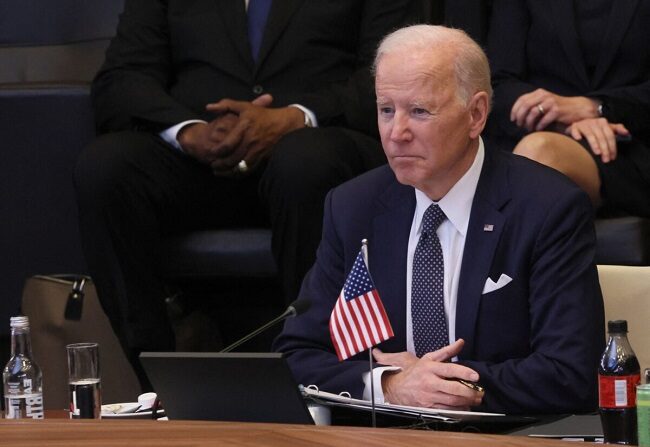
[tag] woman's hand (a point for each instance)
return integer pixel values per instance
(600, 134)
(538, 109)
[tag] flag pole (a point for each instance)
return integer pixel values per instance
(364, 251)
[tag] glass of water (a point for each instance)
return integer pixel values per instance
(84, 381)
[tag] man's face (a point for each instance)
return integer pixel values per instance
(426, 131)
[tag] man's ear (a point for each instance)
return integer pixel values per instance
(478, 113)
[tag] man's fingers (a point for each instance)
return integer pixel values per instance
(448, 370)
(237, 107)
(448, 392)
(228, 106)
(379, 355)
(231, 142)
(430, 383)
(221, 126)
(447, 352)
(264, 100)
(229, 163)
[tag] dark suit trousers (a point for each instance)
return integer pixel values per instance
(134, 190)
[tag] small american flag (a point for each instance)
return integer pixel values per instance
(359, 320)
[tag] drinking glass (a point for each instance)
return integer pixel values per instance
(84, 381)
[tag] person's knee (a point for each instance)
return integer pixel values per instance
(104, 164)
(542, 147)
(306, 163)
(565, 155)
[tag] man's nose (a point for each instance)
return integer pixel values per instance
(400, 130)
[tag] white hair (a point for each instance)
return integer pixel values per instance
(471, 66)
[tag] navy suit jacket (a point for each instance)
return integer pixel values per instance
(534, 43)
(536, 342)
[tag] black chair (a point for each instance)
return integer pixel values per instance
(623, 241)
(205, 255)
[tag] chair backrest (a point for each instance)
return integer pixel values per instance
(54, 41)
(626, 293)
(623, 240)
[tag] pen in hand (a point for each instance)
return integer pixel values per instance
(472, 385)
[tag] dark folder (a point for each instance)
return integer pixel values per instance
(247, 387)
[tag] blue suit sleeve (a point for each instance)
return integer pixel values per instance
(566, 320)
(306, 339)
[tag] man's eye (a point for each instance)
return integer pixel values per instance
(386, 110)
(420, 111)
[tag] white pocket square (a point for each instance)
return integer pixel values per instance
(491, 286)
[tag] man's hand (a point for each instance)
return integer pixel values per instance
(258, 129)
(540, 108)
(600, 134)
(428, 381)
(406, 359)
(201, 140)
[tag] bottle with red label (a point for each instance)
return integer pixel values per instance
(618, 375)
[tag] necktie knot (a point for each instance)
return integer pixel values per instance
(432, 219)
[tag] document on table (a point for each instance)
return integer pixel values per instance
(324, 397)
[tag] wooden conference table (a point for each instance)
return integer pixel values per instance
(137, 433)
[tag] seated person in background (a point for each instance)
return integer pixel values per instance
(504, 292)
(572, 90)
(218, 114)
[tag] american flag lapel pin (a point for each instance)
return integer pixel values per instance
(488, 227)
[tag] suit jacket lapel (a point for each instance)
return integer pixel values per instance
(233, 16)
(387, 253)
(562, 14)
(480, 246)
(281, 12)
(619, 20)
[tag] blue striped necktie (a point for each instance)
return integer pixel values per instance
(427, 298)
(258, 12)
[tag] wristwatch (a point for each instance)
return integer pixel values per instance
(600, 109)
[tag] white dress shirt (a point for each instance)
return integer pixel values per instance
(457, 206)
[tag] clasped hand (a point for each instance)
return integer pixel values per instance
(241, 131)
(429, 381)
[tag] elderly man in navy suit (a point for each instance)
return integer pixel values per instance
(484, 260)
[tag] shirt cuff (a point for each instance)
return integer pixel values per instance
(377, 373)
(308, 113)
(169, 135)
